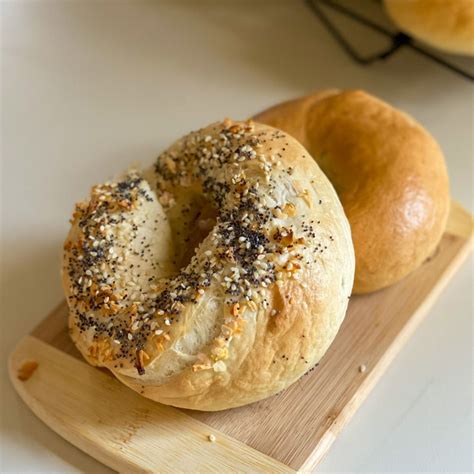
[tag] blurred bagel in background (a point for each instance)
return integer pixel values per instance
(443, 24)
(389, 173)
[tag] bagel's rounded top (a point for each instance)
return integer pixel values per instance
(388, 171)
(444, 24)
(215, 278)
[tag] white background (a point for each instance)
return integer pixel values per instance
(89, 86)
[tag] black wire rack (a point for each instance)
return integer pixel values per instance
(397, 40)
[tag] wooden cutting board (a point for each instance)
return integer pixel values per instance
(286, 433)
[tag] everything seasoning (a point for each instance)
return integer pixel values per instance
(120, 294)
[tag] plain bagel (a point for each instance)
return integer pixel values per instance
(216, 278)
(388, 171)
(444, 24)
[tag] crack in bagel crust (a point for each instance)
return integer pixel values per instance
(261, 298)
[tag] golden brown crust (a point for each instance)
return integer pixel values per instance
(389, 174)
(260, 300)
(444, 24)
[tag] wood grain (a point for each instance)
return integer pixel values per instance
(117, 426)
(297, 427)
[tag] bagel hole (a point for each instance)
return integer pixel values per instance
(202, 219)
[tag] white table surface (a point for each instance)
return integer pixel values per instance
(89, 86)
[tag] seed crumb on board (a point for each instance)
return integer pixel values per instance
(362, 368)
(26, 370)
(211, 438)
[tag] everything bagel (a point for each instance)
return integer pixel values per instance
(216, 278)
(387, 170)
